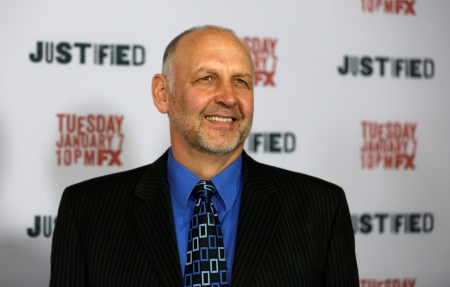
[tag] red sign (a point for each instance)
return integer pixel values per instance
(390, 282)
(404, 7)
(264, 57)
(91, 140)
(390, 145)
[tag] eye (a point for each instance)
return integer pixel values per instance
(207, 78)
(240, 81)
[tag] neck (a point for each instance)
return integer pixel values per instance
(202, 164)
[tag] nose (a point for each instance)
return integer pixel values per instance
(226, 95)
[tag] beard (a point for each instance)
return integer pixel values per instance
(218, 142)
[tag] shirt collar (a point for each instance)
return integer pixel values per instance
(182, 181)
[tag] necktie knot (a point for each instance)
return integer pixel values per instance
(204, 188)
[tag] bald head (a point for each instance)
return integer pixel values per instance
(168, 68)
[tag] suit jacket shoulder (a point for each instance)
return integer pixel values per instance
(105, 185)
(109, 232)
(291, 184)
(294, 230)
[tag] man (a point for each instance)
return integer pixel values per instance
(134, 228)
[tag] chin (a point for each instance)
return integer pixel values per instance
(220, 149)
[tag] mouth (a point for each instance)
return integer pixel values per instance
(220, 119)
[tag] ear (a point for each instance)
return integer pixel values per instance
(160, 92)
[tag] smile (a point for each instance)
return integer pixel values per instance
(219, 119)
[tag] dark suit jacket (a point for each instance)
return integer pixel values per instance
(117, 230)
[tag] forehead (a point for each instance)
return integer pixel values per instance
(206, 43)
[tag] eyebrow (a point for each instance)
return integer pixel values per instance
(242, 75)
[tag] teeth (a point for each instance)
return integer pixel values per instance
(217, 119)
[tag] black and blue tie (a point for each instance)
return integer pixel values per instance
(205, 260)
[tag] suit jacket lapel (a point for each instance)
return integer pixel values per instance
(154, 221)
(258, 219)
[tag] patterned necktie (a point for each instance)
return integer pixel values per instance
(205, 260)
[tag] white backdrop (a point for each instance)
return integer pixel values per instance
(309, 117)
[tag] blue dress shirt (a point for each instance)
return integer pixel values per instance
(226, 200)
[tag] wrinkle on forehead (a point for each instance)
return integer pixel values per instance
(217, 40)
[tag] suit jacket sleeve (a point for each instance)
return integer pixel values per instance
(67, 262)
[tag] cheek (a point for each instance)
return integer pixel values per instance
(195, 100)
(246, 105)
(198, 104)
(185, 104)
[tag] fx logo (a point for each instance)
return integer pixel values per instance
(111, 157)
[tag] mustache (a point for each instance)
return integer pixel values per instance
(230, 112)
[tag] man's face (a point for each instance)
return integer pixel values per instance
(212, 107)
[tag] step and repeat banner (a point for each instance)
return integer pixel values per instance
(356, 92)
